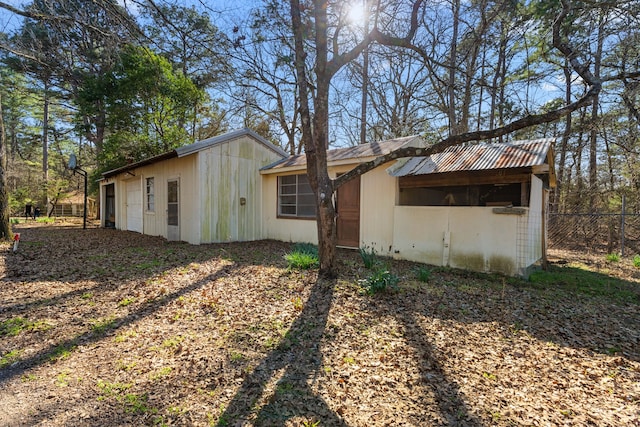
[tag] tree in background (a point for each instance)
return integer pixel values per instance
(145, 104)
(5, 228)
(197, 49)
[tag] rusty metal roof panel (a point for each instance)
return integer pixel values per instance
(484, 156)
(356, 153)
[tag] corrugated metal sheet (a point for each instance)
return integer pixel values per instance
(475, 157)
(357, 152)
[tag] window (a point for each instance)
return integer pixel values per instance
(465, 195)
(151, 203)
(295, 197)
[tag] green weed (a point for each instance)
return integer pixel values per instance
(61, 352)
(304, 256)
(160, 373)
(148, 265)
(423, 274)
(380, 280)
(369, 257)
(636, 261)
(126, 301)
(13, 327)
(613, 257)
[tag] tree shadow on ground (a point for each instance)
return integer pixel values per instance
(60, 348)
(280, 388)
(295, 360)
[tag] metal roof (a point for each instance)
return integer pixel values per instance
(483, 156)
(194, 148)
(354, 154)
(205, 143)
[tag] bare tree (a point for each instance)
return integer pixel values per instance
(315, 126)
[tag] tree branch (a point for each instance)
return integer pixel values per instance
(595, 85)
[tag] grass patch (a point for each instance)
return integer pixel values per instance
(45, 220)
(10, 358)
(134, 403)
(102, 326)
(578, 278)
(17, 325)
(62, 351)
(148, 265)
(13, 327)
(126, 301)
(304, 256)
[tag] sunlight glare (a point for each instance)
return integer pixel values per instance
(357, 14)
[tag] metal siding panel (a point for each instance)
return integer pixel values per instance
(479, 157)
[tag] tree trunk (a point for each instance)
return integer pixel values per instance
(365, 79)
(451, 84)
(593, 143)
(558, 196)
(5, 228)
(45, 144)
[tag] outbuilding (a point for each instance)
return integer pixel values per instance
(206, 192)
(478, 206)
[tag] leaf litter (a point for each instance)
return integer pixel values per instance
(117, 328)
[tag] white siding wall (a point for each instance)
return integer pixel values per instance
(377, 214)
(183, 169)
(155, 223)
(479, 239)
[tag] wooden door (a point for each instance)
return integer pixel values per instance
(348, 209)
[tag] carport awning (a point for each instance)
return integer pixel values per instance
(537, 154)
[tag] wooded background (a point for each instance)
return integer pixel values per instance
(115, 82)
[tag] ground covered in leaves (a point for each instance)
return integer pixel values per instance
(102, 327)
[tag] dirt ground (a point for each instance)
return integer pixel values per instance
(108, 328)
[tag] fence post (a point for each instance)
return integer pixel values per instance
(624, 203)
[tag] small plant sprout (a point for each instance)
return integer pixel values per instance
(636, 261)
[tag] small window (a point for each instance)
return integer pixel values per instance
(295, 197)
(151, 203)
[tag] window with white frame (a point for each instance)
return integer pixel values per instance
(295, 197)
(151, 203)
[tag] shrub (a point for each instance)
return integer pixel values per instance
(369, 257)
(304, 256)
(380, 280)
(423, 274)
(636, 261)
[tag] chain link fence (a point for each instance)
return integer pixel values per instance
(595, 232)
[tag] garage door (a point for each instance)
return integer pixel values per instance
(134, 206)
